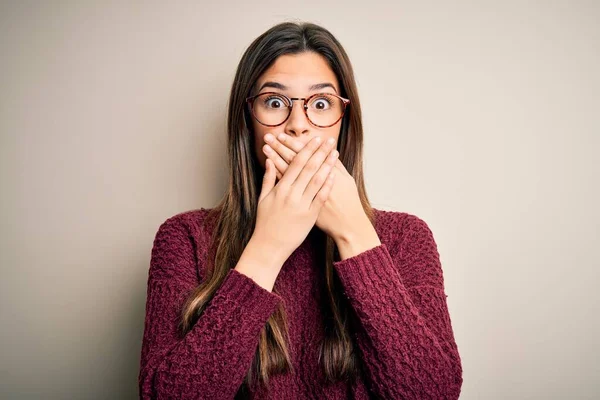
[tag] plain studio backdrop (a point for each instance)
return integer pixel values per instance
(482, 118)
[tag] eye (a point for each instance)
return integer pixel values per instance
(322, 102)
(275, 102)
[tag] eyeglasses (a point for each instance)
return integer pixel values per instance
(273, 109)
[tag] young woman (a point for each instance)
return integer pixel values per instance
(294, 287)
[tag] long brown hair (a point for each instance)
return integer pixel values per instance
(235, 215)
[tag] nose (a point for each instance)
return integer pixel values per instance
(297, 124)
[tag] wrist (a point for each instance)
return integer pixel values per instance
(356, 228)
(260, 263)
(269, 255)
(357, 240)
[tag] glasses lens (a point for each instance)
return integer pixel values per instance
(325, 109)
(271, 109)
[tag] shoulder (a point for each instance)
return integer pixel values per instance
(179, 242)
(187, 226)
(190, 218)
(412, 246)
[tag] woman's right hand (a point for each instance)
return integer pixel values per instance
(288, 210)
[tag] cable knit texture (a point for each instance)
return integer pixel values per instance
(404, 335)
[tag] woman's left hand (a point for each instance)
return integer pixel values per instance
(342, 215)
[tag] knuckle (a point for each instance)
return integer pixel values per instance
(291, 201)
(317, 181)
(313, 164)
(323, 152)
(326, 169)
(321, 180)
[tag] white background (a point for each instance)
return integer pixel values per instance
(482, 118)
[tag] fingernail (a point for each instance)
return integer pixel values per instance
(281, 137)
(268, 137)
(330, 140)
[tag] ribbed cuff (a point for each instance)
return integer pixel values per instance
(367, 270)
(248, 295)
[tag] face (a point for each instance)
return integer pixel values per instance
(294, 75)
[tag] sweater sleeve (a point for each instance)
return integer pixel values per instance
(212, 359)
(405, 335)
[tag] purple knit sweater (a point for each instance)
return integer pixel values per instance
(405, 339)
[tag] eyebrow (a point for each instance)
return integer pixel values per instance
(277, 85)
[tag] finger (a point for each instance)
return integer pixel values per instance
(284, 152)
(279, 162)
(278, 173)
(323, 193)
(268, 180)
(298, 163)
(290, 143)
(312, 166)
(320, 177)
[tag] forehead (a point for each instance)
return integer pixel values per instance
(298, 71)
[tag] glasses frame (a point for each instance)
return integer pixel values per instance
(250, 101)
